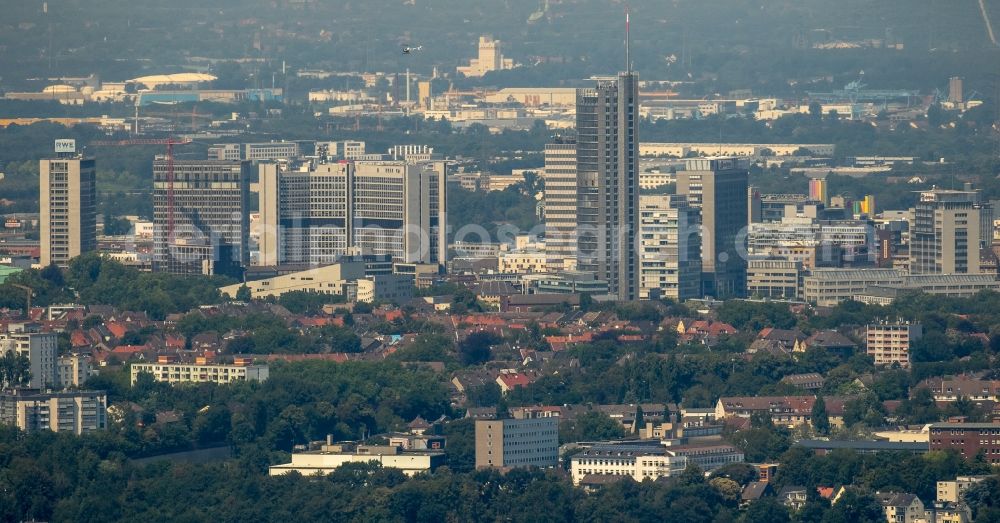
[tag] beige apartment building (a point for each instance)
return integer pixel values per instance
(560, 202)
(670, 244)
(951, 491)
(889, 342)
(510, 443)
(68, 208)
(73, 370)
(167, 369)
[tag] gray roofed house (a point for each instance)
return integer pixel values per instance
(901, 507)
(809, 381)
(831, 341)
(754, 491)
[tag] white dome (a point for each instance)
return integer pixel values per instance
(52, 89)
(178, 78)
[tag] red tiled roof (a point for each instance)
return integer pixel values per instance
(512, 380)
(129, 349)
(116, 329)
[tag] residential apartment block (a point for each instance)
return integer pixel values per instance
(40, 348)
(670, 243)
(951, 491)
(560, 203)
(889, 342)
(167, 369)
(76, 412)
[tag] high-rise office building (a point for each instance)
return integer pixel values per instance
(315, 216)
(560, 204)
(817, 190)
(955, 94)
(67, 206)
(944, 235)
(211, 224)
(513, 443)
(607, 123)
(670, 255)
(718, 186)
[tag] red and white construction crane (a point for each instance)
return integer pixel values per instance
(170, 143)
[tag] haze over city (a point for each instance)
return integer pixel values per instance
(519, 260)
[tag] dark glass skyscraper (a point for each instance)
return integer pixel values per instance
(719, 186)
(211, 222)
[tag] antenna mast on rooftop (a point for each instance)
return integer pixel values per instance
(628, 42)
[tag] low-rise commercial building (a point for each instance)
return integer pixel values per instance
(397, 288)
(777, 279)
(828, 287)
(167, 369)
(77, 412)
(330, 457)
(330, 279)
(522, 262)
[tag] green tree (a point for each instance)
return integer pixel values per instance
(15, 370)
(766, 510)
(590, 426)
(855, 507)
(820, 418)
(475, 348)
(243, 294)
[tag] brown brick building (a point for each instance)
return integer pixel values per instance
(968, 439)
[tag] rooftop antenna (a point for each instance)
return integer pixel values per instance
(628, 42)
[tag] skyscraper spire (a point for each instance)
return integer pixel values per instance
(628, 43)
